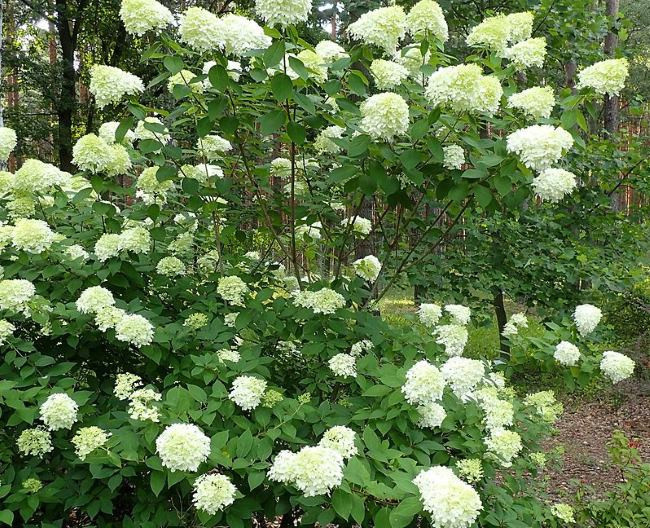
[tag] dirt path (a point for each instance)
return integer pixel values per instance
(586, 427)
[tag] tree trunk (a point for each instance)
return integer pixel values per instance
(502, 319)
(611, 110)
(67, 99)
(570, 69)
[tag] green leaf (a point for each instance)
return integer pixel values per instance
(157, 481)
(173, 63)
(342, 503)
(305, 102)
(271, 122)
(356, 82)
(299, 68)
(218, 77)
(274, 53)
(296, 132)
(255, 479)
(483, 195)
(281, 86)
(244, 443)
(204, 126)
(475, 174)
(358, 145)
(404, 513)
(358, 508)
(123, 128)
(342, 174)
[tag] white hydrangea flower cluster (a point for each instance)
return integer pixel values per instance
(463, 375)
(136, 239)
(431, 415)
(539, 146)
(566, 354)
(495, 33)
(233, 290)
(8, 141)
(460, 314)
(125, 384)
(360, 226)
(109, 84)
(470, 469)
(213, 492)
(213, 146)
(142, 132)
(498, 413)
(141, 406)
(284, 12)
(424, 384)
(324, 301)
(360, 347)
(412, 59)
(505, 445)
(545, 404)
(464, 88)
(15, 294)
(385, 115)
(388, 74)
(150, 188)
(87, 439)
(34, 442)
(617, 367)
(330, 51)
(140, 16)
(6, 330)
(309, 231)
(201, 30)
(368, 268)
(454, 157)
(451, 502)
(429, 314)
(108, 130)
(552, 185)
(229, 354)
(516, 321)
(587, 317)
(93, 299)
(314, 63)
(314, 470)
(241, 34)
(453, 337)
(32, 236)
(182, 447)
(323, 142)
(59, 411)
(170, 266)
(93, 154)
(604, 77)
(75, 251)
(537, 102)
(564, 512)
(426, 17)
(343, 365)
(134, 329)
(247, 392)
(340, 439)
(184, 78)
(382, 27)
(528, 53)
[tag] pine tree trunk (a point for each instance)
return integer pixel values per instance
(611, 110)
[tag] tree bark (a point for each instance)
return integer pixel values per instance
(611, 102)
(502, 319)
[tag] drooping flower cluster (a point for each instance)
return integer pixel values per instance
(330, 51)
(505, 445)
(184, 78)
(464, 88)
(429, 314)
(34, 442)
(498, 413)
(32, 485)
(343, 365)
(32, 236)
(6, 329)
(528, 53)
(616, 366)
(232, 289)
(462, 375)
(516, 321)
(495, 33)
(451, 502)
(87, 439)
(587, 317)
(134, 329)
(323, 142)
(360, 225)
(229, 354)
(59, 411)
(8, 141)
(453, 337)
(247, 392)
(460, 314)
(537, 102)
(213, 146)
(141, 405)
(367, 268)
(552, 185)
(431, 415)
(125, 384)
(200, 29)
(388, 74)
(382, 27)
(140, 16)
(213, 492)
(241, 34)
(424, 384)
(324, 301)
(93, 299)
(427, 17)
(545, 405)
(454, 157)
(604, 77)
(359, 347)
(385, 115)
(15, 294)
(182, 447)
(109, 84)
(539, 146)
(564, 512)
(283, 12)
(170, 266)
(470, 469)
(340, 439)
(566, 353)
(93, 154)
(313, 470)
